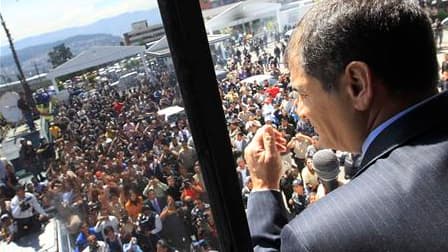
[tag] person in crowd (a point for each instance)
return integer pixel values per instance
(286, 186)
(148, 228)
(85, 231)
(313, 147)
(187, 156)
(104, 220)
(298, 200)
(239, 144)
(8, 179)
(157, 186)
(134, 205)
(24, 205)
(173, 188)
(444, 66)
(8, 228)
(174, 230)
(132, 246)
(242, 172)
(190, 190)
(299, 145)
(438, 32)
(157, 204)
(95, 246)
(246, 190)
(113, 240)
(27, 111)
(365, 93)
(162, 246)
(198, 177)
(309, 176)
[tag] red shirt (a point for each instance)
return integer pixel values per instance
(118, 106)
(273, 91)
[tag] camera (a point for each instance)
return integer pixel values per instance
(24, 205)
(93, 206)
(145, 223)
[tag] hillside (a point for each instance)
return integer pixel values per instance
(116, 25)
(34, 50)
(39, 54)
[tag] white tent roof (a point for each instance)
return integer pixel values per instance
(95, 56)
(160, 47)
(210, 13)
(242, 12)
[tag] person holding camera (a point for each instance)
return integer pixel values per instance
(81, 241)
(23, 206)
(95, 245)
(148, 227)
(132, 246)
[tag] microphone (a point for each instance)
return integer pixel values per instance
(326, 165)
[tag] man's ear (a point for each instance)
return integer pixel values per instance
(359, 84)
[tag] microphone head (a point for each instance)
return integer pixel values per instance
(326, 164)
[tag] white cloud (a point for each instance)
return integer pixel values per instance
(27, 18)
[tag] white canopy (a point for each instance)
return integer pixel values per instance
(93, 57)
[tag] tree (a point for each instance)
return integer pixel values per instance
(59, 55)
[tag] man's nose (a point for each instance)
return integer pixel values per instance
(300, 110)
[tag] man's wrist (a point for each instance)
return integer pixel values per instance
(261, 185)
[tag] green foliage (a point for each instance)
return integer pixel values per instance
(59, 55)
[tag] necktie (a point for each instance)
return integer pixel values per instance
(156, 205)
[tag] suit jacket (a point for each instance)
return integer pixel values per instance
(398, 200)
(160, 200)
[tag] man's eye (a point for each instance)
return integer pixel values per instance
(303, 96)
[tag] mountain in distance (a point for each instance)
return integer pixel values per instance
(37, 56)
(33, 51)
(116, 25)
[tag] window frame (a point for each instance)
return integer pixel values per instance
(187, 40)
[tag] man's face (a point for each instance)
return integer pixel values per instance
(309, 164)
(326, 111)
(170, 182)
(298, 189)
(21, 193)
(198, 204)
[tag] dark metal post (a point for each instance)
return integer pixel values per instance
(190, 52)
(26, 87)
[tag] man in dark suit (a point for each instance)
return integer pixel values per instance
(157, 204)
(366, 74)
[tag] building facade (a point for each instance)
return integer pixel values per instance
(143, 34)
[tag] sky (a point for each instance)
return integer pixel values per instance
(26, 18)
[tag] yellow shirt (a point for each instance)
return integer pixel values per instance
(55, 131)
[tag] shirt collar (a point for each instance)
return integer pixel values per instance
(373, 134)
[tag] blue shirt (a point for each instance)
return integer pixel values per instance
(371, 137)
(81, 241)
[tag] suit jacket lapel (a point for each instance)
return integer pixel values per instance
(412, 124)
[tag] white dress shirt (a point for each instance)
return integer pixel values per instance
(17, 213)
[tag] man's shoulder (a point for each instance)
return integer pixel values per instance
(14, 199)
(400, 200)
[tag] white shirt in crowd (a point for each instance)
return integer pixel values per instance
(102, 247)
(158, 225)
(17, 212)
(109, 221)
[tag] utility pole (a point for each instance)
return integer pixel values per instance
(26, 87)
(37, 72)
